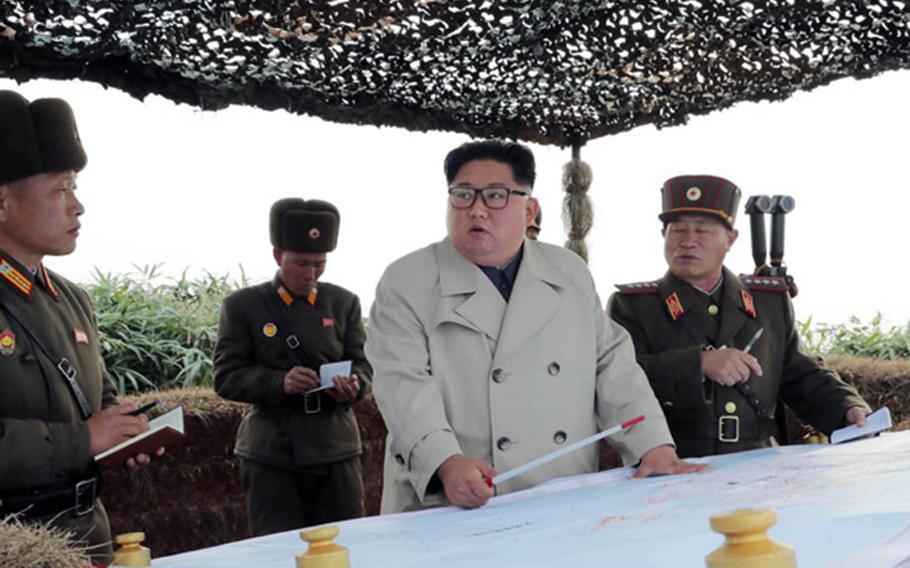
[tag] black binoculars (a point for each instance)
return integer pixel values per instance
(778, 207)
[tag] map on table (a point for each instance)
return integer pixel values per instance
(844, 505)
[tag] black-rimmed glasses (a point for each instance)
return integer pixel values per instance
(494, 197)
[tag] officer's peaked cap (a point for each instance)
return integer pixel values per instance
(700, 195)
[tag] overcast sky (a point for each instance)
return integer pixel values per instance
(169, 184)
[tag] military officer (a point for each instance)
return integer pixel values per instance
(720, 349)
(58, 406)
(300, 452)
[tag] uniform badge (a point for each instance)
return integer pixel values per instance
(269, 329)
(693, 193)
(748, 305)
(285, 296)
(80, 336)
(7, 342)
(311, 297)
(674, 306)
(328, 322)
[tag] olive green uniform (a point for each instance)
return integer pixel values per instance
(44, 440)
(671, 323)
(300, 452)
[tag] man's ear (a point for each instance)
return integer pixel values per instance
(531, 209)
(731, 237)
(4, 200)
(276, 254)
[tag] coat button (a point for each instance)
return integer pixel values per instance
(498, 376)
(712, 309)
(559, 437)
(553, 368)
(399, 459)
(730, 407)
(667, 403)
(503, 444)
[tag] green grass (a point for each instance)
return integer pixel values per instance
(158, 332)
(872, 339)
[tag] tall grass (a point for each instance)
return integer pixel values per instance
(158, 332)
(870, 339)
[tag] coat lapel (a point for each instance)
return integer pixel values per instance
(534, 300)
(468, 297)
(736, 325)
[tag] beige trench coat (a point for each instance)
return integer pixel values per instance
(457, 370)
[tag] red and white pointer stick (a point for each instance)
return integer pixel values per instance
(502, 477)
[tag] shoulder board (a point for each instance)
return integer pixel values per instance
(765, 283)
(638, 287)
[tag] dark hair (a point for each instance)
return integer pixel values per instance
(514, 154)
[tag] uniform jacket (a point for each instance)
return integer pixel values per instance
(671, 357)
(251, 359)
(44, 442)
(460, 371)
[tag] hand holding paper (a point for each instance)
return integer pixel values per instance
(329, 370)
(875, 422)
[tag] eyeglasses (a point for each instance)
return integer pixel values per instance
(494, 197)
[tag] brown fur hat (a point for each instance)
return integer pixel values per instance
(37, 137)
(304, 226)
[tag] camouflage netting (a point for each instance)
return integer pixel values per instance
(549, 71)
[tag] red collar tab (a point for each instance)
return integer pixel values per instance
(674, 306)
(16, 278)
(285, 296)
(748, 304)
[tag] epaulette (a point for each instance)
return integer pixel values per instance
(765, 283)
(638, 287)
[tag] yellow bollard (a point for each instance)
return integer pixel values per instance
(747, 544)
(323, 553)
(131, 553)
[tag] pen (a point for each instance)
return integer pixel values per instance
(145, 407)
(751, 343)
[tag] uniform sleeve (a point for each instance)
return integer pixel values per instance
(623, 393)
(354, 338)
(237, 376)
(405, 389)
(815, 393)
(675, 374)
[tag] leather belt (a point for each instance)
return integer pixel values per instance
(79, 497)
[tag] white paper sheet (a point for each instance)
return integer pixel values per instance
(875, 422)
(329, 370)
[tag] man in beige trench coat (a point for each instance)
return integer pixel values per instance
(490, 350)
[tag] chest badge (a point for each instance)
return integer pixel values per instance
(328, 322)
(80, 336)
(7, 342)
(748, 304)
(269, 329)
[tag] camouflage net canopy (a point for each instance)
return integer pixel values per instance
(551, 71)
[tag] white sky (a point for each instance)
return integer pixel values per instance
(169, 184)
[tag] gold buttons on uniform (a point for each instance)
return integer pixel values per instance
(712, 309)
(730, 407)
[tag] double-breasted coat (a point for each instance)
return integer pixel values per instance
(671, 324)
(457, 370)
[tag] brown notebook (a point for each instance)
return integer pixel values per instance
(163, 431)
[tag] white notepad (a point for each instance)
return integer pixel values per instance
(875, 422)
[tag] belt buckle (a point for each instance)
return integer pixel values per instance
(311, 409)
(84, 502)
(722, 425)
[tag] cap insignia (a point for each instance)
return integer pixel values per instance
(693, 193)
(314, 233)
